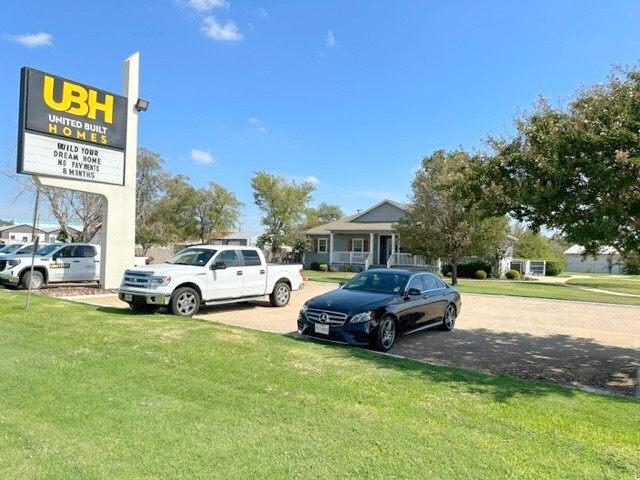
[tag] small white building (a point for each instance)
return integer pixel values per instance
(606, 261)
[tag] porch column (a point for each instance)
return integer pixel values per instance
(330, 249)
(371, 244)
(393, 244)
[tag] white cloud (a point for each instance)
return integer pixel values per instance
(207, 5)
(262, 130)
(254, 121)
(31, 39)
(312, 179)
(200, 156)
(262, 13)
(330, 41)
(229, 32)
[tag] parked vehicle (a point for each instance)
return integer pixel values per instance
(11, 248)
(57, 262)
(209, 275)
(377, 305)
(141, 261)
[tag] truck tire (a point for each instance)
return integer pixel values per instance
(185, 302)
(280, 295)
(37, 280)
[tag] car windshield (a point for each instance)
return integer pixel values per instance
(380, 282)
(47, 249)
(10, 248)
(192, 256)
(28, 250)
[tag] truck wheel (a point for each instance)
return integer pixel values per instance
(37, 280)
(184, 302)
(280, 295)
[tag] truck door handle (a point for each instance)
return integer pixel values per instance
(76, 261)
(261, 272)
(239, 272)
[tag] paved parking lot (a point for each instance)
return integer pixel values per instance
(589, 344)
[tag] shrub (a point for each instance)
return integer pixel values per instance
(553, 268)
(469, 268)
(323, 267)
(513, 275)
(315, 266)
(480, 275)
(631, 264)
(333, 268)
(345, 267)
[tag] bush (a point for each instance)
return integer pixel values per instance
(513, 275)
(468, 268)
(480, 275)
(345, 267)
(323, 267)
(333, 268)
(631, 264)
(315, 266)
(554, 268)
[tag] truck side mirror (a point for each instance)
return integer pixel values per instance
(219, 266)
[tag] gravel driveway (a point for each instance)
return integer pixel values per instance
(594, 345)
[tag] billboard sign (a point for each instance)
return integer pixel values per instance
(70, 130)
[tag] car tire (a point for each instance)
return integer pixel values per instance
(281, 295)
(449, 318)
(141, 307)
(385, 334)
(36, 280)
(185, 302)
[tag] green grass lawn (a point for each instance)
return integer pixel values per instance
(629, 285)
(334, 277)
(90, 392)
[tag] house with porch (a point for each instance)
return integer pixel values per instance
(362, 240)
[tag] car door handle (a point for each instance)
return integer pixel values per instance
(76, 261)
(239, 272)
(262, 272)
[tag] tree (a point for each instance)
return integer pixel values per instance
(175, 211)
(533, 245)
(440, 224)
(6, 222)
(323, 213)
(283, 204)
(217, 210)
(150, 180)
(574, 169)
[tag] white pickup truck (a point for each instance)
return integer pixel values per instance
(209, 275)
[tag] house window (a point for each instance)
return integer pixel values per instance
(322, 245)
(358, 245)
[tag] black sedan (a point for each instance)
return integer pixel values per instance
(377, 305)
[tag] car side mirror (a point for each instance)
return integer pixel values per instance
(412, 292)
(341, 284)
(219, 266)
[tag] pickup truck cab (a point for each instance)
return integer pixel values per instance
(57, 262)
(209, 275)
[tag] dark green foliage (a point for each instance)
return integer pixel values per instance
(468, 268)
(315, 266)
(631, 264)
(554, 268)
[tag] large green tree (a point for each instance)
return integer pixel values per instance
(440, 223)
(573, 168)
(283, 203)
(216, 210)
(323, 213)
(150, 183)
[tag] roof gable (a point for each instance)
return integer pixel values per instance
(383, 212)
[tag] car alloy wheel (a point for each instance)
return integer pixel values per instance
(386, 334)
(449, 319)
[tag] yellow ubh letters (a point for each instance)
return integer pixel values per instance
(77, 100)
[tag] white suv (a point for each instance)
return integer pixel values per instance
(58, 262)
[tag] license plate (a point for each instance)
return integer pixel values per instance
(323, 329)
(128, 297)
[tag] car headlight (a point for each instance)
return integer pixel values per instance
(303, 309)
(160, 281)
(13, 263)
(361, 317)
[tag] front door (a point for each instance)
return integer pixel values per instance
(385, 249)
(67, 266)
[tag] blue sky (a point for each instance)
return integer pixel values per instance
(349, 95)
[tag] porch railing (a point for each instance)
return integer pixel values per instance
(362, 258)
(406, 260)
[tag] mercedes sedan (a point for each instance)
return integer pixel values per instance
(377, 305)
